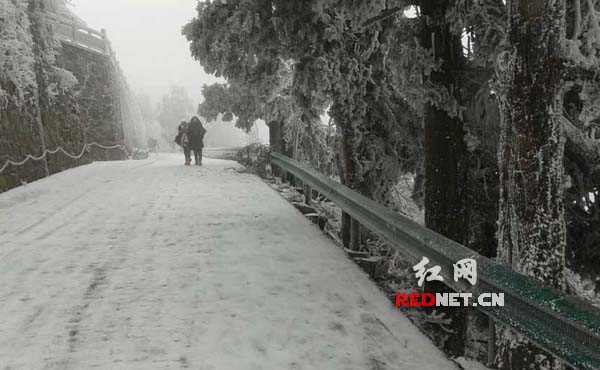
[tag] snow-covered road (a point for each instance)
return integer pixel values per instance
(153, 265)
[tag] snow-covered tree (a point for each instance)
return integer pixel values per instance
(174, 107)
(465, 71)
(17, 76)
(532, 231)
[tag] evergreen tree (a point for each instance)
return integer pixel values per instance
(176, 106)
(438, 89)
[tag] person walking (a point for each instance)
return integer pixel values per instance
(196, 134)
(182, 139)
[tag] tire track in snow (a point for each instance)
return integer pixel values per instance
(118, 234)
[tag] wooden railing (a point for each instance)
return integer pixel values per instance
(71, 31)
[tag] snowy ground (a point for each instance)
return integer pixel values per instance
(153, 265)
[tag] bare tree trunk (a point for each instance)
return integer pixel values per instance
(276, 136)
(348, 178)
(531, 229)
(445, 155)
(274, 143)
(278, 145)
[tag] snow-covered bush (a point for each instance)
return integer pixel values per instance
(17, 76)
(256, 158)
(63, 80)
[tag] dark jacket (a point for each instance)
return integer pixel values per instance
(196, 133)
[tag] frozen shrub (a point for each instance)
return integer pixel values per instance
(256, 158)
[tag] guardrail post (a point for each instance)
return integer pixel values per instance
(291, 179)
(491, 348)
(354, 235)
(307, 194)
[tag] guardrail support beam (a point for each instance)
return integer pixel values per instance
(491, 348)
(307, 194)
(354, 235)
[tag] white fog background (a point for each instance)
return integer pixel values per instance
(154, 55)
(146, 35)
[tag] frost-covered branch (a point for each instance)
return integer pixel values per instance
(581, 145)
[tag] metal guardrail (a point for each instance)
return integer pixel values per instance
(564, 325)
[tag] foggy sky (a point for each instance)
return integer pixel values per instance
(146, 36)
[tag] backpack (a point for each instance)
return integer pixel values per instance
(185, 140)
(182, 138)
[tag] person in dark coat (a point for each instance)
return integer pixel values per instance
(183, 140)
(196, 134)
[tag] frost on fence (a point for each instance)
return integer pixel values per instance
(86, 148)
